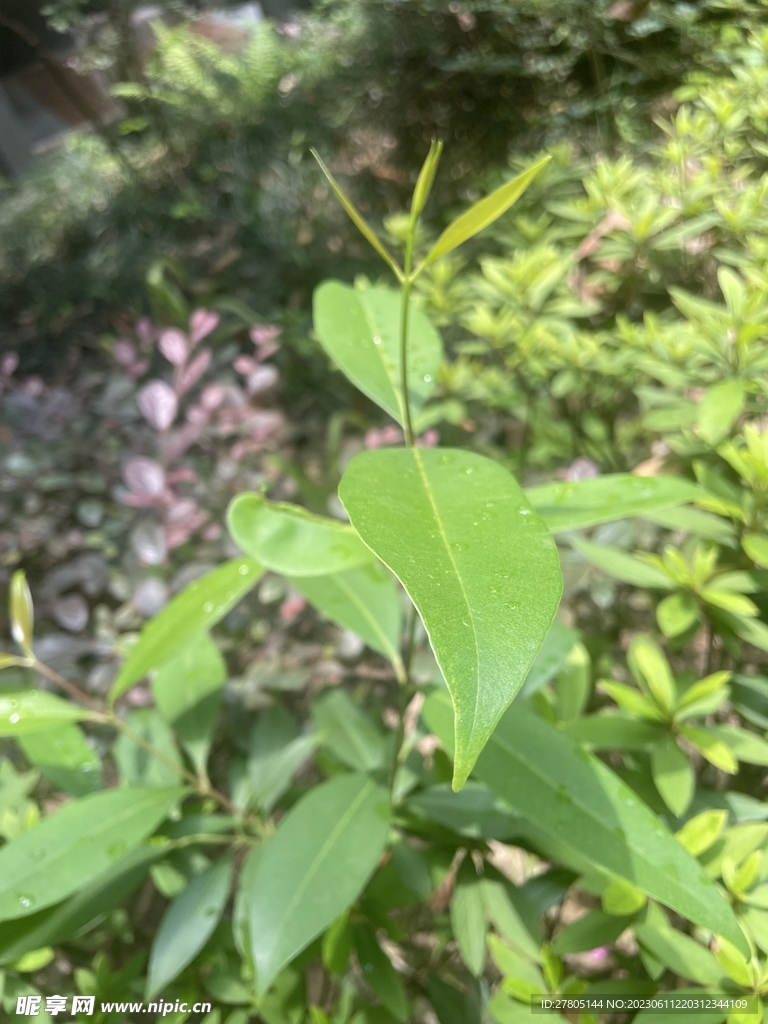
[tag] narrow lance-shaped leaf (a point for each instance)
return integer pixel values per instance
(64, 758)
(289, 540)
(313, 868)
(575, 799)
(357, 218)
(360, 332)
(484, 213)
(426, 179)
(26, 711)
(578, 504)
(477, 562)
(188, 924)
(70, 848)
(198, 607)
(22, 612)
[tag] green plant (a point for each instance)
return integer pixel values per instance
(344, 842)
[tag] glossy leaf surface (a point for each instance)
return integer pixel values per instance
(364, 600)
(26, 711)
(484, 213)
(67, 850)
(578, 504)
(573, 797)
(477, 562)
(64, 758)
(187, 924)
(198, 607)
(313, 868)
(289, 540)
(360, 331)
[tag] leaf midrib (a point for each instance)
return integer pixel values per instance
(495, 738)
(321, 856)
(390, 371)
(441, 528)
(88, 838)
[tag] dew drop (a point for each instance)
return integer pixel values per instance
(24, 900)
(468, 470)
(208, 607)
(36, 855)
(243, 570)
(427, 378)
(116, 850)
(446, 459)
(525, 511)
(377, 340)
(459, 545)
(13, 719)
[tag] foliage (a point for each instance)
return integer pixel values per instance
(400, 838)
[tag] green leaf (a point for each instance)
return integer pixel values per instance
(695, 522)
(360, 332)
(380, 974)
(552, 657)
(347, 733)
(680, 953)
(502, 911)
(576, 799)
(357, 219)
(621, 898)
(711, 747)
(699, 833)
(187, 690)
(289, 540)
(451, 1005)
(476, 561)
(621, 566)
(733, 963)
(614, 731)
(313, 868)
(575, 505)
(275, 754)
(630, 699)
(677, 613)
(337, 945)
(573, 684)
(27, 711)
(468, 918)
(484, 213)
(475, 812)
(426, 179)
(591, 931)
(70, 848)
(187, 925)
(652, 672)
(137, 766)
(21, 612)
(756, 546)
(198, 607)
(54, 924)
(364, 600)
(64, 758)
(719, 410)
(744, 745)
(672, 775)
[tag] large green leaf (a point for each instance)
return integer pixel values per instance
(483, 213)
(477, 562)
(25, 711)
(188, 924)
(578, 801)
(53, 924)
(313, 868)
(198, 607)
(573, 506)
(187, 690)
(64, 757)
(289, 540)
(364, 599)
(360, 331)
(71, 847)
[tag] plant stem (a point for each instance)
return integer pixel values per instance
(405, 299)
(201, 786)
